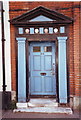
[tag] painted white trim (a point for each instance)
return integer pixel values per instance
(1, 79)
(7, 46)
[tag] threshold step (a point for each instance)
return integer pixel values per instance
(40, 102)
(45, 110)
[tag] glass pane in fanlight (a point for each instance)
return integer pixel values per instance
(48, 49)
(36, 49)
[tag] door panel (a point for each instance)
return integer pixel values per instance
(48, 84)
(47, 62)
(37, 84)
(36, 63)
(42, 68)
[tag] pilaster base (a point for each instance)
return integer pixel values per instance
(21, 105)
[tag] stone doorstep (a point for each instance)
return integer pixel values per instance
(27, 107)
(42, 106)
(29, 104)
(45, 110)
(42, 102)
(39, 102)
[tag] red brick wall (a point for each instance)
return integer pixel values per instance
(13, 57)
(70, 9)
(80, 53)
(76, 39)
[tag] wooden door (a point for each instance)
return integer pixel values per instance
(42, 68)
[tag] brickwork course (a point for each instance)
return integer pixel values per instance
(70, 9)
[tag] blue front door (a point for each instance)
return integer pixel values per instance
(42, 68)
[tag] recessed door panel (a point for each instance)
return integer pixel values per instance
(48, 84)
(42, 68)
(48, 62)
(37, 84)
(36, 64)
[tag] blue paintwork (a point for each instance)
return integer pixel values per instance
(31, 30)
(51, 30)
(62, 69)
(41, 30)
(21, 70)
(42, 62)
(62, 29)
(41, 18)
(20, 30)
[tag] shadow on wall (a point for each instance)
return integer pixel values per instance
(5, 99)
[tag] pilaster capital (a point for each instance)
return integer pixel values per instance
(21, 39)
(62, 39)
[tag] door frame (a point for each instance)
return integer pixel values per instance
(27, 68)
